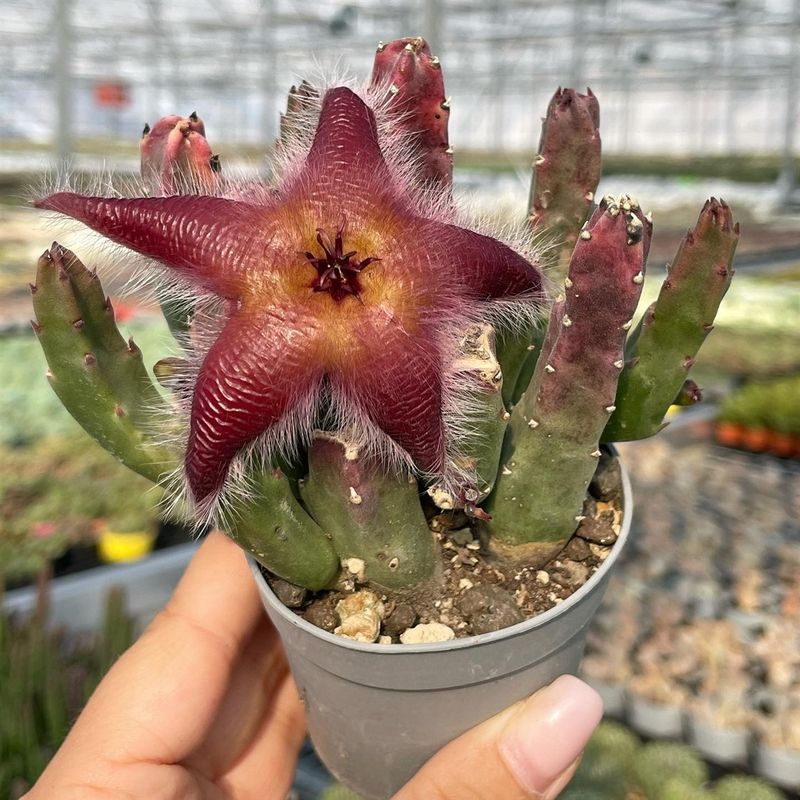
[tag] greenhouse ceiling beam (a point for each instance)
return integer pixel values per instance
(62, 82)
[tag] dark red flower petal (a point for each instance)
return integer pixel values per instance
(253, 374)
(345, 148)
(484, 267)
(401, 391)
(208, 239)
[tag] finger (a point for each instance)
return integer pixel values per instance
(562, 781)
(528, 751)
(275, 747)
(217, 593)
(161, 697)
(253, 713)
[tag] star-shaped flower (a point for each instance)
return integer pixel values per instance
(340, 291)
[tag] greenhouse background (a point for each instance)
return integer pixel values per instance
(701, 77)
(698, 642)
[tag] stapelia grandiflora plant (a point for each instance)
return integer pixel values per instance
(353, 347)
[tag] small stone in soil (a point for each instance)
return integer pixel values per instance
(490, 608)
(321, 614)
(428, 632)
(577, 549)
(598, 530)
(360, 615)
(290, 595)
(402, 617)
(572, 574)
(600, 551)
(607, 481)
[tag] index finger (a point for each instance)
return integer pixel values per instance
(217, 592)
(160, 699)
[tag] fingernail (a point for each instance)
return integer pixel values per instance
(550, 731)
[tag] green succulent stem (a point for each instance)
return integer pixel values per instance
(487, 419)
(663, 347)
(178, 315)
(277, 531)
(524, 376)
(370, 514)
(566, 172)
(516, 353)
(98, 376)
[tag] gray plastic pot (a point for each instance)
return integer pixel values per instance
(376, 713)
(720, 745)
(779, 766)
(655, 720)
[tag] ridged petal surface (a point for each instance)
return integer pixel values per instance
(207, 239)
(257, 368)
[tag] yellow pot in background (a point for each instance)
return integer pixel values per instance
(116, 547)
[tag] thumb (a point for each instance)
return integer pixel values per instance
(528, 751)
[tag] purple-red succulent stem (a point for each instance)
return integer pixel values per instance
(413, 79)
(552, 451)
(566, 171)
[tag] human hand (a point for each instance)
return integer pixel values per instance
(203, 707)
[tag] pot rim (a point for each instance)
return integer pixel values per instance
(511, 631)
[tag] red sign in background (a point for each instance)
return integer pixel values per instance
(111, 94)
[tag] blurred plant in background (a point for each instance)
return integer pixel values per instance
(45, 679)
(54, 494)
(704, 622)
(28, 408)
(763, 416)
